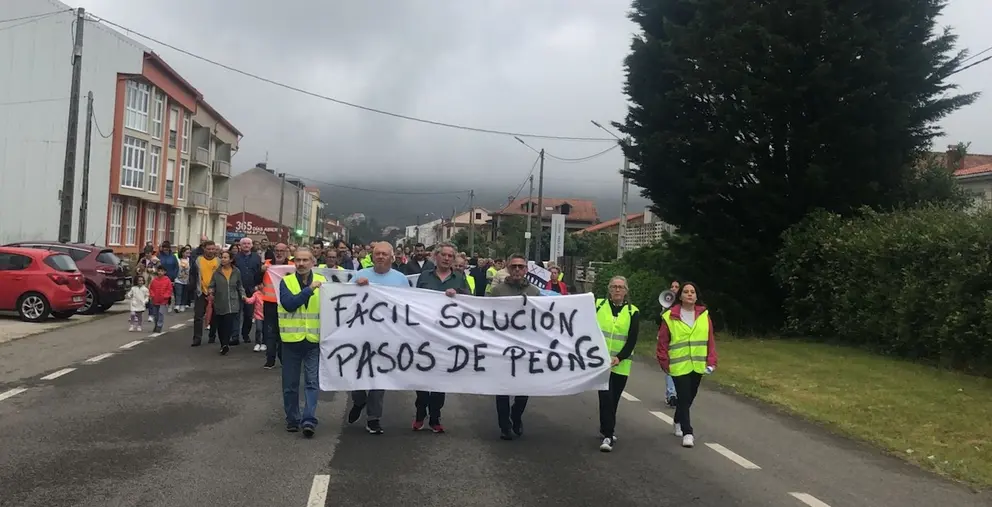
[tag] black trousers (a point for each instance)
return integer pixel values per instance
(506, 414)
(429, 403)
(225, 327)
(609, 401)
(270, 332)
(686, 387)
(247, 319)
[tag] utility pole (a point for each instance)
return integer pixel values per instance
(530, 217)
(622, 232)
(84, 195)
(417, 230)
(72, 133)
(540, 210)
(471, 223)
(282, 201)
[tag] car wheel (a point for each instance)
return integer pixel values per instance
(33, 307)
(90, 305)
(63, 315)
(106, 307)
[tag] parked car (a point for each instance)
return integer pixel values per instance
(37, 283)
(107, 279)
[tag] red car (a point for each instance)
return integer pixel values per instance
(38, 283)
(107, 280)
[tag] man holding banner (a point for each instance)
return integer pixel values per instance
(515, 284)
(381, 273)
(299, 329)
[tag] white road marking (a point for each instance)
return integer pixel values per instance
(177, 326)
(56, 374)
(11, 393)
(318, 491)
(97, 359)
(629, 397)
(155, 335)
(190, 320)
(663, 416)
(132, 344)
(733, 456)
(808, 499)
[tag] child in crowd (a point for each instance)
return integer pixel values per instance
(137, 299)
(182, 281)
(160, 292)
(256, 299)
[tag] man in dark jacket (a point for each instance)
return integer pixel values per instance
(250, 265)
(418, 261)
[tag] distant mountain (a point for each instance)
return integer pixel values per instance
(403, 209)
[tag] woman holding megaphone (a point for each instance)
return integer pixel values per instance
(686, 351)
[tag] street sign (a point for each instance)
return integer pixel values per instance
(557, 237)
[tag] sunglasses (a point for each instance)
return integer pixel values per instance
(517, 266)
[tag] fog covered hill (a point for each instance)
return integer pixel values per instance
(402, 209)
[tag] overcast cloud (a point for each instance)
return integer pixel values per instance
(539, 66)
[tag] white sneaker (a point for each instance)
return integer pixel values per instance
(139, 329)
(607, 445)
(257, 348)
(678, 430)
(151, 319)
(262, 348)
(688, 441)
(130, 329)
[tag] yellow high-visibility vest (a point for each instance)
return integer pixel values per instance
(615, 330)
(689, 346)
(304, 323)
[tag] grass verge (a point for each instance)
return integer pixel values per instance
(940, 420)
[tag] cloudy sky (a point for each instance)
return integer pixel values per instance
(535, 66)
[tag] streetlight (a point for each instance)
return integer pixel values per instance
(622, 230)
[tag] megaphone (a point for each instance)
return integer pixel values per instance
(666, 299)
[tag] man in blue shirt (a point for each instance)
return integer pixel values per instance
(250, 265)
(381, 273)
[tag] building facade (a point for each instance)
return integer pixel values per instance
(35, 79)
(213, 143)
(579, 213)
(257, 191)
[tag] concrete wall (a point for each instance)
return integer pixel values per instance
(35, 72)
(260, 191)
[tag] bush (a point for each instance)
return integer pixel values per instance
(913, 283)
(647, 272)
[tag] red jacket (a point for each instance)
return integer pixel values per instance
(665, 338)
(160, 290)
(562, 288)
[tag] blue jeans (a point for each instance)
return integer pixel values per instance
(158, 312)
(258, 332)
(669, 387)
(178, 294)
(300, 357)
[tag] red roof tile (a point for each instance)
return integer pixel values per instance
(635, 218)
(974, 169)
(583, 210)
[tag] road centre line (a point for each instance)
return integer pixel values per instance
(318, 491)
(629, 397)
(97, 359)
(733, 456)
(189, 320)
(155, 335)
(809, 500)
(663, 416)
(11, 393)
(132, 344)
(56, 374)
(177, 326)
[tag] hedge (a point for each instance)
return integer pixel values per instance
(914, 283)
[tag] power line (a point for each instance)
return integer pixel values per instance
(571, 160)
(30, 19)
(976, 55)
(35, 16)
(346, 103)
(378, 191)
(970, 65)
(526, 178)
(34, 101)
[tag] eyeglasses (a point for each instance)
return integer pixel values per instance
(623, 287)
(517, 266)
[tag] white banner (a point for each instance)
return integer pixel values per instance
(401, 339)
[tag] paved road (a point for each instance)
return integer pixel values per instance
(161, 424)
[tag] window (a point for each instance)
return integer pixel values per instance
(150, 225)
(173, 118)
(186, 126)
(158, 110)
(14, 262)
(116, 214)
(108, 257)
(77, 254)
(183, 171)
(61, 262)
(154, 162)
(478, 216)
(170, 172)
(131, 226)
(133, 163)
(173, 223)
(163, 219)
(136, 106)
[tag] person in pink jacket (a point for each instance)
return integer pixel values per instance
(257, 302)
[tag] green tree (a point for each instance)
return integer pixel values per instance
(482, 242)
(745, 116)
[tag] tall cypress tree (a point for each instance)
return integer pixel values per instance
(747, 114)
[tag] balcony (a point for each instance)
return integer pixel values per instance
(218, 205)
(199, 199)
(201, 157)
(222, 168)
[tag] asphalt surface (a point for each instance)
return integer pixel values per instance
(161, 424)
